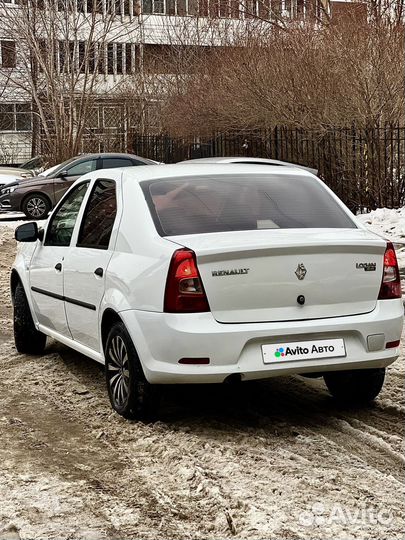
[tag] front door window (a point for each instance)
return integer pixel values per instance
(62, 223)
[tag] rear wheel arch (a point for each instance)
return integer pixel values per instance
(109, 318)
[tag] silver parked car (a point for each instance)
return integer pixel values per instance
(249, 161)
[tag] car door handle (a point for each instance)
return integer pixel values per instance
(58, 267)
(99, 272)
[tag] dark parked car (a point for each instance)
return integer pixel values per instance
(37, 196)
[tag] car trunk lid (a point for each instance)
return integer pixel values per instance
(288, 274)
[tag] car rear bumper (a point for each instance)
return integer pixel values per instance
(162, 339)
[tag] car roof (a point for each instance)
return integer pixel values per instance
(232, 159)
(253, 160)
(109, 155)
(76, 160)
(154, 172)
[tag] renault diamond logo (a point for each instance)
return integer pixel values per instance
(301, 271)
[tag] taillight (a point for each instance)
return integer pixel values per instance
(184, 289)
(391, 283)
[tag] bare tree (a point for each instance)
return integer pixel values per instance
(387, 11)
(63, 64)
(345, 72)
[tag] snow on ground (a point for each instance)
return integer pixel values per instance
(11, 221)
(389, 223)
(275, 459)
(386, 221)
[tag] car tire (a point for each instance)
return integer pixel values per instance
(36, 206)
(355, 387)
(27, 339)
(130, 394)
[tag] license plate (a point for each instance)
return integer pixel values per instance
(303, 350)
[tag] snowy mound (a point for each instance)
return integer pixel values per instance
(390, 224)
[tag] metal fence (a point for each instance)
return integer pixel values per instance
(364, 167)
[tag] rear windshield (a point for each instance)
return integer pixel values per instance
(204, 204)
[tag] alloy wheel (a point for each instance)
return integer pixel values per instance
(118, 371)
(36, 207)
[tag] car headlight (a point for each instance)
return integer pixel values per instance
(7, 190)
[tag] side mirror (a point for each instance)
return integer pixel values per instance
(63, 173)
(27, 232)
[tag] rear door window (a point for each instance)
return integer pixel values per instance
(99, 216)
(196, 205)
(111, 163)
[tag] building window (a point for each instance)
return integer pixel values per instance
(15, 117)
(111, 117)
(104, 117)
(93, 118)
(203, 8)
(7, 118)
(101, 58)
(120, 58)
(89, 57)
(265, 9)
(92, 57)
(129, 58)
(23, 117)
(94, 6)
(119, 7)
(110, 59)
(157, 6)
(193, 7)
(83, 58)
(8, 54)
(147, 6)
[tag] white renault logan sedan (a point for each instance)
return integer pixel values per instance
(207, 273)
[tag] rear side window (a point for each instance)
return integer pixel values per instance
(206, 204)
(111, 163)
(99, 216)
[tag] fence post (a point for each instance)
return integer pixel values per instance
(276, 142)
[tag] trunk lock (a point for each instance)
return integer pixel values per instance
(301, 299)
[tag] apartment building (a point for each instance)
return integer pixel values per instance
(130, 54)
